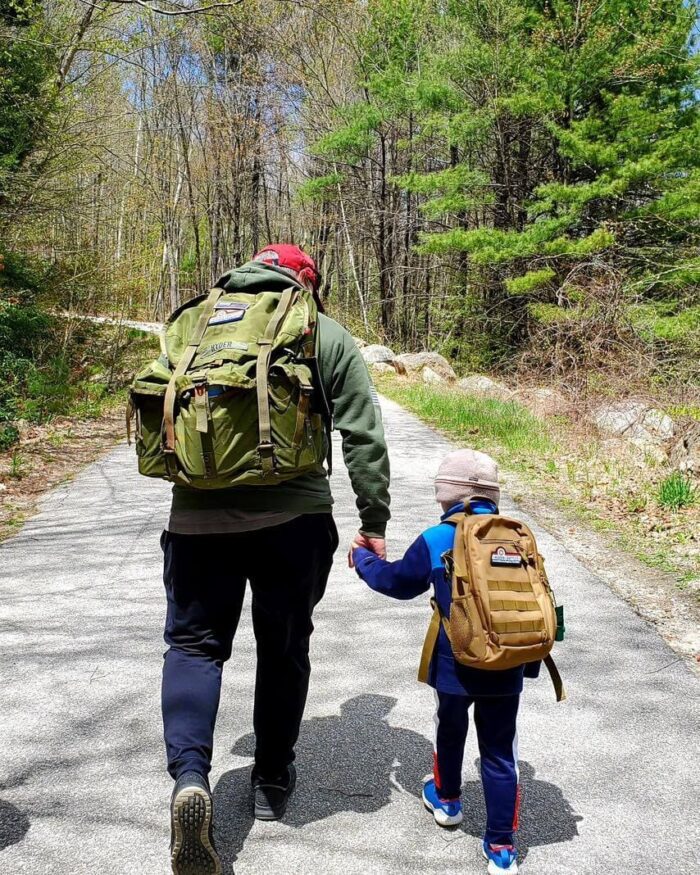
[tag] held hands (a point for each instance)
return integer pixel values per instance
(374, 545)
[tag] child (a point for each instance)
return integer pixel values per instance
(466, 481)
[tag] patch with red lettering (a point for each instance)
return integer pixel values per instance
(501, 556)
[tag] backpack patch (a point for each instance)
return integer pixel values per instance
(501, 556)
(228, 311)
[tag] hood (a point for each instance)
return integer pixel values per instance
(254, 277)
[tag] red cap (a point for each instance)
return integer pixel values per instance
(290, 258)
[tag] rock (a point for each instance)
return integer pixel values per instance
(652, 452)
(377, 353)
(485, 387)
(3, 488)
(619, 417)
(431, 376)
(685, 453)
(415, 362)
(544, 402)
(360, 343)
(381, 368)
(98, 378)
(658, 423)
(22, 426)
(635, 421)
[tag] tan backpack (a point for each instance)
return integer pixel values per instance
(503, 613)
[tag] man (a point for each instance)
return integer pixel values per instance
(280, 538)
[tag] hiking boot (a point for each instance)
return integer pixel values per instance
(447, 812)
(503, 859)
(271, 797)
(192, 849)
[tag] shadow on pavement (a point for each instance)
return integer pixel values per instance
(546, 817)
(351, 762)
(14, 825)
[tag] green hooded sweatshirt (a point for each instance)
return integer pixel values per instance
(356, 415)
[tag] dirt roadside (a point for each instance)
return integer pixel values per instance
(46, 457)
(652, 593)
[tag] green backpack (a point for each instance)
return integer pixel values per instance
(231, 399)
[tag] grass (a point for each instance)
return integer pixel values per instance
(676, 491)
(18, 466)
(484, 423)
(611, 495)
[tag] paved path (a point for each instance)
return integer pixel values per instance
(610, 777)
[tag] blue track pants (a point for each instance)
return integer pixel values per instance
(495, 718)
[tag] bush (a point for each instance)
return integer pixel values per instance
(9, 435)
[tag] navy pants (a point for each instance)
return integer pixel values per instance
(495, 718)
(205, 580)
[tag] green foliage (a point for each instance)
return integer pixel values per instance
(18, 466)
(676, 491)
(351, 141)
(553, 138)
(319, 188)
(9, 435)
(18, 12)
(27, 67)
(667, 321)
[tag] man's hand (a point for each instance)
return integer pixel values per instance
(374, 545)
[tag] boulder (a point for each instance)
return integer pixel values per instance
(685, 453)
(544, 402)
(433, 377)
(485, 387)
(635, 421)
(415, 362)
(658, 423)
(617, 418)
(381, 368)
(377, 353)
(360, 343)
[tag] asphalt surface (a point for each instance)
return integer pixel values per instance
(610, 777)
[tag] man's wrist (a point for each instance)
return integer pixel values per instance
(374, 532)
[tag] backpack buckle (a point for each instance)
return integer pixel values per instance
(266, 449)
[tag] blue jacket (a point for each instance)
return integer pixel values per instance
(421, 567)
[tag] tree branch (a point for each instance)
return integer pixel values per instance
(178, 8)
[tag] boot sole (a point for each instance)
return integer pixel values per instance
(192, 852)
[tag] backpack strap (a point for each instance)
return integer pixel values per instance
(431, 641)
(557, 682)
(183, 364)
(265, 446)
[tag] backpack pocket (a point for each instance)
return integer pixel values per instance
(297, 431)
(146, 399)
(217, 428)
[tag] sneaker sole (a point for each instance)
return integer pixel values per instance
(265, 812)
(493, 869)
(192, 852)
(440, 817)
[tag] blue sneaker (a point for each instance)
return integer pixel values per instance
(503, 859)
(445, 813)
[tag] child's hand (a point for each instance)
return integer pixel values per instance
(374, 545)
